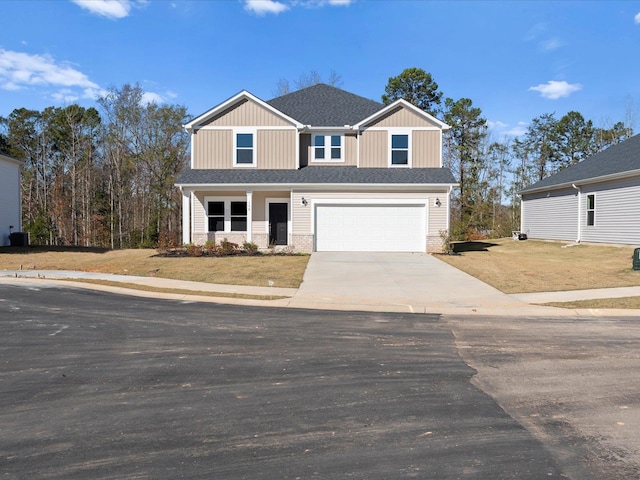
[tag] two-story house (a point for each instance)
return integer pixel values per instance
(319, 169)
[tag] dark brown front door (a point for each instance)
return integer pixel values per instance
(278, 224)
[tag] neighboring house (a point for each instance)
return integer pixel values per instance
(319, 169)
(596, 200)
(10, 208)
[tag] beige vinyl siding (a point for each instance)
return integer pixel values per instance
(276, 149)
(401, 117)
(212, 149)
(552, 217)
(373, 149)
(426, 148)
(350, 150)
(617, 212)
(247, 113)
(302, 214)
(437, 215)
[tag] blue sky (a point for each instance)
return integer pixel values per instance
(515, 60)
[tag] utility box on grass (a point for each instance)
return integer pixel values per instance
(636, 259)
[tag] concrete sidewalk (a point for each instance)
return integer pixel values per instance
(381, 282)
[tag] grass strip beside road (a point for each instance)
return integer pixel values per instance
(176, 291)
(599, 303)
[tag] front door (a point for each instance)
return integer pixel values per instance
(278, 224)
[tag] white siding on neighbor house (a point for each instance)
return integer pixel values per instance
(9, 199)
(617, 212)
(553, 217)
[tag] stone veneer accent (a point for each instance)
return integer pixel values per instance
(202, 238)
(302, 243)
(434, 244)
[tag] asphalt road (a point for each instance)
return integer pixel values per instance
(101, 386)
(574, 382)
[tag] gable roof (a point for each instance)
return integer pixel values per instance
(243, 95)
(318, 175)
(401, 103)
(325, 106)
(622, 159)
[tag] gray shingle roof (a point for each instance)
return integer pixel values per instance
(318, 175)
(617, 159)
(325, 106)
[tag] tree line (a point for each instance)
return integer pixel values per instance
(104, 176)
(100, 177)
(491, 171)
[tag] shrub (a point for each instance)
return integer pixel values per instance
(210, 248)
(228, 248)
(194, 250)
(250, 248)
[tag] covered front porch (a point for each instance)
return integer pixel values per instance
(253, 216)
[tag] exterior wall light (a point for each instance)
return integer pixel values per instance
(438, 202)
(304, 201)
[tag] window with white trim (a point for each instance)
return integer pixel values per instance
(591, 210)
(244, 149)
(399, 155)
(327, 148)
(226, 215)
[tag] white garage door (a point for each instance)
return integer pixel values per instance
(370, 228)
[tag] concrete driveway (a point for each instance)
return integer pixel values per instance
(398, 282)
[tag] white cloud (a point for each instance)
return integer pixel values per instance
(113, 9)
(502, 128)
(262, 7)
(151, 97)
(20, 70)
(551, 44)
(637, 18)
(554, 90)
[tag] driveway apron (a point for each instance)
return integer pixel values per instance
(400, 282)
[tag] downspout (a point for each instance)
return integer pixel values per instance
(579, 212)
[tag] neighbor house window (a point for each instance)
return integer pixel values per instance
(227, 215)
(244, 149)
(399, 149)
(327, 148)
(591, 210)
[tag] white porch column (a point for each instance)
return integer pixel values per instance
(249, 213)
(186, 217)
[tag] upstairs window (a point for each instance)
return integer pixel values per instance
(400, 149)
(327, 148)
(591, 210)
(244, 149)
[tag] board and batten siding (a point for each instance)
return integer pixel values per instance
(373, 149)
(212, 149)
(276, 149)
(552, 217)
(401, 117)
(617, 212)
(426, 147)
(247, 113)
(9, 198)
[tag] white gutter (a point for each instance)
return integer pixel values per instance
(579, 189)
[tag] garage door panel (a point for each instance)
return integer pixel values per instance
(384, 228)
